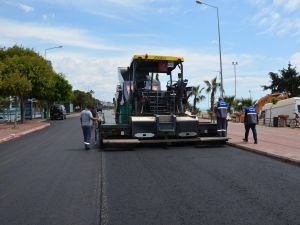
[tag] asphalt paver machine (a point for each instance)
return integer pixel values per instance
(150, 106)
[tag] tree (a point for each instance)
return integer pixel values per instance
(240, 104)
(275, 83)
(17, 85)
(198, 97)
(33, 66)
(288, 80)
(62, 90)
(45, 83)
(79, 98)
(230, 101)
(4, 102)
(211, 89)
(23, 63)
(83, 99)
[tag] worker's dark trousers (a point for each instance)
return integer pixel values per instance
(253, 128)
(221, 126)
(87, 130)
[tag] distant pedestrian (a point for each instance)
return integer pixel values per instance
(93, 111)
(99, 107)
(221, 114)
(250, 121)
(86, 119)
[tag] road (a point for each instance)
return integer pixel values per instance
(47, 178)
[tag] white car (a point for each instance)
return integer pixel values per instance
(3, 119)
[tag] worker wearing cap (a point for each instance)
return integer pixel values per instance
(221, 114)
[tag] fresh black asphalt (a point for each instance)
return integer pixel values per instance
(188, 185)
(47, 178)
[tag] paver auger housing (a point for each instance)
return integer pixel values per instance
(145, 113)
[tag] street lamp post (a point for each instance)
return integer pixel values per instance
(60, 46)
(220, 53)
(234, 67)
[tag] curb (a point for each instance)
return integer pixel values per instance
(16, 135)
(273, 156)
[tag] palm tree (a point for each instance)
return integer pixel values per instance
(212, 88)
(230, 101)
(198, 97)
(240, 104)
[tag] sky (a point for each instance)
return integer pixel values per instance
(98, 36)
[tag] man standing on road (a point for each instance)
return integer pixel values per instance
(221, 114)
(86, 119)
(250, 122)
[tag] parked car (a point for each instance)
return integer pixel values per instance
(3, 119)
(58, 112)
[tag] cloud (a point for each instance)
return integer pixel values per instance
(295, 60)
(288, 5)
(106, 15)
(134, 3)
(86, 72)
(105, 4)
(288, 26)
(278, 18)
(23, 7)
(293, 5)
(48, 16)
(168, 10)
(139, 35)
(51, 34)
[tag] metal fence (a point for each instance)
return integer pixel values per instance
(10, 115)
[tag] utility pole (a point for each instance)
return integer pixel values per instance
(234, 67)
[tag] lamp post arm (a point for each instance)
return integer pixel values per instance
(50, 49)
(203, 3)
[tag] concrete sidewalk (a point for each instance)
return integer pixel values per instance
(8, 132)
(278, 142)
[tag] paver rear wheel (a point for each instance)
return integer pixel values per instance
(101, 145)
(100, 138)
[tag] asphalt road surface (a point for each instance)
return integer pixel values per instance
(47, 178)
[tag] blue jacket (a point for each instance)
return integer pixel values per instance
(221, 110)
(250, 115)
